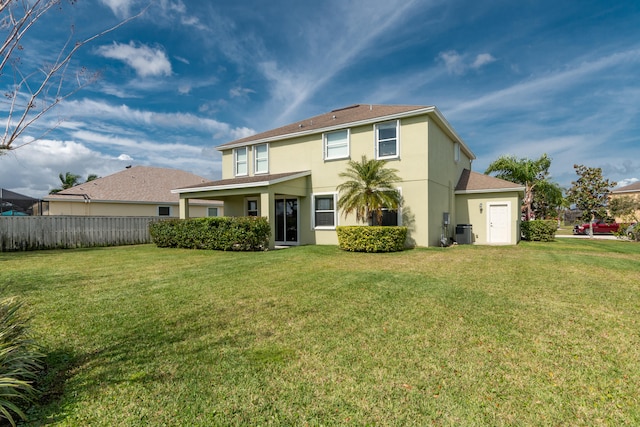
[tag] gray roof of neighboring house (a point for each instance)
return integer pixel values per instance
(632, 188)
(142, 184)
(474, 182)
(353, 115)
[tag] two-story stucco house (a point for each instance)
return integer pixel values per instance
(290, 175)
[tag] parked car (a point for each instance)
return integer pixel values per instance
(633, 231)
(599, 227)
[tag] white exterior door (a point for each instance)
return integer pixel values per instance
(499, 223)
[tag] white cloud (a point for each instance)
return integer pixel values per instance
(147, 61)
(125, 157)
(104, 111)
(33, 168)
(453, 61)
(627, 181)
(526, 92)
(457, 63)
(482, 60)
(360, 25)
(119, 8)
(240, 92)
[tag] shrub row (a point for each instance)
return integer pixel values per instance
(371, 238)
(539, 230)
(218, 233)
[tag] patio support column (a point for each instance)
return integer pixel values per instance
(267, 209)
(184, 207)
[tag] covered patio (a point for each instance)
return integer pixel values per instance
(281, 198)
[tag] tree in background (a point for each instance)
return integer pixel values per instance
(69, 180)
(369, 189)
(590, 193)
(548, 200)
(533, 174)
(626, 208)
(38, 86)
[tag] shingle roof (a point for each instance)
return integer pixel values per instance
(476, 182)
(136, 184)
(354, 114)
(631, 188)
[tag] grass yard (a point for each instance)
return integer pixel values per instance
(538, 334)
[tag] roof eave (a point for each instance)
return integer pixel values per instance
(265, 183)
(492, 190)
(425, 110)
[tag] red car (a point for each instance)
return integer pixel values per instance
(599, 227)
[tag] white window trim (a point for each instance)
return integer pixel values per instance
(325, 145)
(255, 159)
(209, 212)
(335, 211)
(235, 161)
(377, 145)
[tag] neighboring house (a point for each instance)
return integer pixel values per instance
(134, 191)
(633, 191)
(290, 175)
(16, 204)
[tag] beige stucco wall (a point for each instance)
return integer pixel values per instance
(468, 212)
(426, 166)
(122, 209)
(444, 174)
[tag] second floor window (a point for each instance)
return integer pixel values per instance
(387, 140)
(240, 158)
(336, 145)
(261, 154)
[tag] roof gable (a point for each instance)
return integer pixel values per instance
(136, 184)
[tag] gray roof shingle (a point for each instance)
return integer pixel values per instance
(136, 184)
(631, 188)
(473, 181)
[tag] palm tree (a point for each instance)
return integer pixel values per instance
(369, 188)
(68, 180)
(530, 173)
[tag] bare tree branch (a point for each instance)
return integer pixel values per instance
(29, 103)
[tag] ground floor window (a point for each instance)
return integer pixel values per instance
(324, 210)
(212, 211)
(164, 210)
(252, 207)
(388, 218)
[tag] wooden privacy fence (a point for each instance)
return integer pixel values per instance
(51, 232)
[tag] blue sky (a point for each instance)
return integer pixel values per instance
(512, 77)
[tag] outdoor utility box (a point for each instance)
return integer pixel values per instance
(464, 234)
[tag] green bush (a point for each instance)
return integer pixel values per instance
(539, 230)
(371, 238)
(218, 233)
(20, 361)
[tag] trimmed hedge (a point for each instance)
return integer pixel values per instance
(217, 233)
(539, 230)
(360, 238)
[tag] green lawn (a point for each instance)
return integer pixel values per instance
(538, 334)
